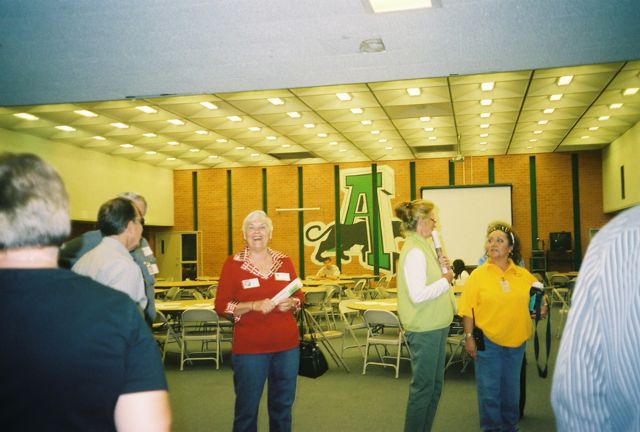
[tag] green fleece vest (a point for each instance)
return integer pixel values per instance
(428, 315)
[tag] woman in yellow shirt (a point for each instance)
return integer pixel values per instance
(497, 294)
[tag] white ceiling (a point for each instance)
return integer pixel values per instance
(57, 57)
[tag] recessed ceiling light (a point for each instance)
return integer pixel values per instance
(428, 129)
(221, 140)
(594, 128)
(529, 147)
(487, 86)
(343, 96)
(485, 115)
(543, 122)
(585, 137)
(234, 118)
(483, 143)
(382, 140)
(126, 145)
(388, 148)
(209, 105)
(146, 109)
(254, 129)
(202, 132)
(615, 105)
(323, 135)
(343, 150)
(255, 154)
(286, 145)
(65, 128)
(413, 91)
(366, 122)
(276, 101)
(272, 138)
(240, 148)
(484, 135)
(375, 132)
(604, 118)
(176, 122)
(99, 138)
(171, 159)
(537, 132)
(151, 152)
(26, 116)
(533, 140)
(149, 135)
(173, 143)
(565, 80)
(333, 142)
(213, 157)
(119, 125)
(548, 110)
(425, 119)
(555, 97)
(486, 102)
(294, 114)
(86, 113)
(432, 138)
(356, 110)
(309, 125)
(484, 125)
(630, 91)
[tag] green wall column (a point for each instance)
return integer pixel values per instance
(491, 169)
(452, 173)
(412, 179)
(376, 219)
(194, 195)
(338, 224)
(575, 183)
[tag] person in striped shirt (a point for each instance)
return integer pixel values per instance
(596, 384)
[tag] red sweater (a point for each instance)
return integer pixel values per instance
(254, 332)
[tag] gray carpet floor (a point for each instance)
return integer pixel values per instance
(202, 397)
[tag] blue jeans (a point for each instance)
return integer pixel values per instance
(498, 383)
(250, 371)
(427, 367)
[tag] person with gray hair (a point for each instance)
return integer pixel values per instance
(142, 254)
(80, 352)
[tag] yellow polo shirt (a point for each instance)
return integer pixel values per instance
(500, 301)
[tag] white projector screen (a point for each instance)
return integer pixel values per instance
(464, 213)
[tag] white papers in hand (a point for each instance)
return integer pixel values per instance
(286, 292)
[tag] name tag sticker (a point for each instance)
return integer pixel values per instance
(153, 269)
(147, 251)
(250, 283)
(283, 276)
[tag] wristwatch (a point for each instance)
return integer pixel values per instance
(468, 335)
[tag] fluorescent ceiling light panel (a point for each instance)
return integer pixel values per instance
(343, 96)
(150, 135)
(294, 114)
(173, 143)
(484, 135)
(343, 150)
(432, 138)
(272, 138)
(543, 122)
(356, 110)
(323, 135)
(615, 105)
(255, 154)
(65, 128)
(151, 152)
(86, 113)
(428, 129)
(565, 80)
(366, 122)
(99, 138)
(485, 115)
(146, 109)
(194, 150)
(381, 6)
(604, 118)
(630, 91)
(487, 86)
(413, 91)
(388, 148)
(309, 125)
(276, 101)
(375, 132)
(286, 145)
(382, 140)
(425, 119)
(240, 148)
(234, 118)
(213, 157)
(26, 116)
(254, 129)
(209, 105)
(548, 110)
(176, 122)
(126, 145)
(221, 140)
(119, 125)
(585, 137)
(533, 140)
(484, 125)
(555, 97)
(202, 132)
(171, 158)
(333, 143)
(483, 143)
(537, 132)
(486, 102)
(594, 128)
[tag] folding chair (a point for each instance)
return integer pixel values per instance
(377, 322)
(200, 325)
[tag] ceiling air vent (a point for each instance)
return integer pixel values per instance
(292, 155)
(435, 148)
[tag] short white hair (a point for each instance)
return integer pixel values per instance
(256, 214)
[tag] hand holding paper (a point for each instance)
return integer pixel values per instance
(286, 292)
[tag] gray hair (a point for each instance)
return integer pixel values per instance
(34, 205)
(256, 214)
(132, 196)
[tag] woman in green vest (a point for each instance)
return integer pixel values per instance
(426, 306)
